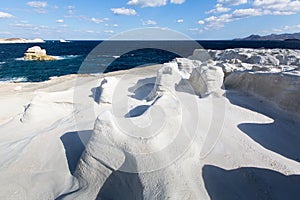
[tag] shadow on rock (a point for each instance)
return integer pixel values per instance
(122, 185)
(249, 183)
(74, 144)
(282, 136)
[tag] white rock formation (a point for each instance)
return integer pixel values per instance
(75, 139)
(186, 66)
(243, 59)
(36, 53)
(201, 55)
(167, 78)
(103, 93)
(207, 80)
(282, 89)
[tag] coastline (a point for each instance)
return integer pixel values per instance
(20, 40)
(79, 113)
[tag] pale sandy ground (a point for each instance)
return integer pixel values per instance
(44, 128)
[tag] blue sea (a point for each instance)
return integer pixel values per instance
(101, 57)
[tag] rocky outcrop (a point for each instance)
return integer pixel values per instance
(241, 59)
(36, 53)
(207, 80)
(282, 89)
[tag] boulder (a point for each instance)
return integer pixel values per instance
(207, 80)
(186, 66)
(36, 53)
(167, 78)
(201, 55)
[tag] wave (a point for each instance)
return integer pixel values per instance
(66, 57)
(107, 56)
(1, 63)
(13, 80)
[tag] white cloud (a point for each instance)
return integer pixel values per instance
(193, 29)
(115, 25)
(37, 4)
(5, 15)
(218, 9)
(258, 8)
(22, 25)
(149, 3)
(123, 11)
(5, 33)
(179, 20)
(201, 22)
(177, 1)
(149, 22)
(96, 20)
(269, 2)
(292, 28)
(60, 21)
(71, 10)
(233, 2)
(196, 30)
(153, 3)
(109, 31)
(215, 23)
(282, 13)
(283, 6)
(242, 13)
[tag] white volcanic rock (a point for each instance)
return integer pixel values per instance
(288, 57)
(261, 68)
(167, 78)
(76, 140)
(240, 59)
(281, 89)
(103, 93)
(263, 60)
(227, 67)
(36, 53)
(201, 55)
(186, 66)
(207, 80)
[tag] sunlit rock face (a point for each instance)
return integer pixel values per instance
(36, 53)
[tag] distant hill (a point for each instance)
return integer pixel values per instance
(279, 37)
(20, 40)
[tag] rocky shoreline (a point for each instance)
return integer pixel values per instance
(218, 122)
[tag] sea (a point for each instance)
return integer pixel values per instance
(93, 57)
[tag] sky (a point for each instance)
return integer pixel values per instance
(102, 19)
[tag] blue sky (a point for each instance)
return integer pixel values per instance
(101, 19)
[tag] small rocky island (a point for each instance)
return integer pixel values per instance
(20, 40)
(37, 53)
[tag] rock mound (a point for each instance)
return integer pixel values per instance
(280, 88)
(37, 53)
